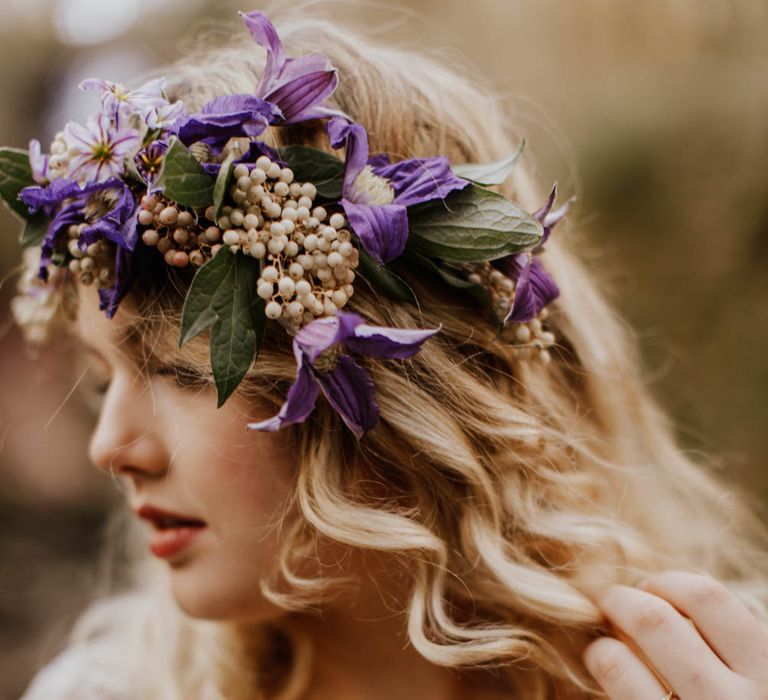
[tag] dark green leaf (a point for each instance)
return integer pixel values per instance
(183, 180)
(322, 169)
(223, 181)
(15, 175)
(472, 225)
(489, 173)
(223, 294)
(34, 231)
(384, 279)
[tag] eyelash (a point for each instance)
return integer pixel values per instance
(185, 378)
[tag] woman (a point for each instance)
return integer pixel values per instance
(509, 517)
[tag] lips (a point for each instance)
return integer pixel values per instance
(172, 533)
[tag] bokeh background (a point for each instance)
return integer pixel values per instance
(654, 113)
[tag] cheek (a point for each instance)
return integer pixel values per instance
(242, 491)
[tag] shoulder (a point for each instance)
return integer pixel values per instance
(97, 663)
(83, 672)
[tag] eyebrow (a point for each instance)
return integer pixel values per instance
(128, 338)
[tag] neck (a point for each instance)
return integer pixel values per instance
(362, 649)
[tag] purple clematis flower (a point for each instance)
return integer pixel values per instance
(116, 97)
(296, 86)
(225, 117)
(347, 386)
(63, 202)
(101, 148)
(168, 117)
(376, 194)
(534, 287)
(149, 161)
(291, 90)
(119, 225)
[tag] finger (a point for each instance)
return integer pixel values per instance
(671, 645)
(620, 672)
(722, 619)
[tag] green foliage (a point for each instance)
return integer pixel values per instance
(489, 173)
(384, 279)
(15, 175)
(222, 295)
(472, 225)
(322, 169)
(223, 181)
(183, 180)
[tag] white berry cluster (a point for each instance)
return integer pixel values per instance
(58, 162)
(530, 337)
(96, 264)
(308, 259)
(176, 232)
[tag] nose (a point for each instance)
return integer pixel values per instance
(127, 439)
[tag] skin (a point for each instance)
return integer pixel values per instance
(170, 447)
(681, 631)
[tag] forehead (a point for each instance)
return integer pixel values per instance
(123, 335)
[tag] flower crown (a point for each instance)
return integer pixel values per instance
(277, 234)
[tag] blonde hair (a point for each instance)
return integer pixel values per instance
(507, 490)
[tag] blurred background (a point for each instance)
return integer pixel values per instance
(655, 114)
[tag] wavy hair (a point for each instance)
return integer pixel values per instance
(506, 491)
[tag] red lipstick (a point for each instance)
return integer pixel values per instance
(172, 532)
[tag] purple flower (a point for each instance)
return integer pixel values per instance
(63, 201)
(39, 162)
(225, 117)
(168, 117)
(119, 225)
(347, 386)
(296, 86)
(376, 194)
(101, 148)
(149, 161)
(116, 97)
(534, 287)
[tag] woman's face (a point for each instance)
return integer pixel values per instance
(176, 452)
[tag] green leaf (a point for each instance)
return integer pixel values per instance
(15, 175)
(384, 279)
(322, 169)
(223, 295)
(472, 225)
(489, 173)
(223, 181)
(183, 180)
(34, 231)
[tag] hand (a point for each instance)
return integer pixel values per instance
(686, 632)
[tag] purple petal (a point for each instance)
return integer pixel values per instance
(534, 290)
(228, 116)
(110, 297)
(548, 219)
(320, 334)
(418, 180)
(296, 97)
(299, 403)
(380, 341)
(70, 214)
(119, 225)
(265, 34)
(382, 229)
(340, 132)
(351, 392)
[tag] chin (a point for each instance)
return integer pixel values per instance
(221, 600)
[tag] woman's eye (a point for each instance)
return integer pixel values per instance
(184, 376)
